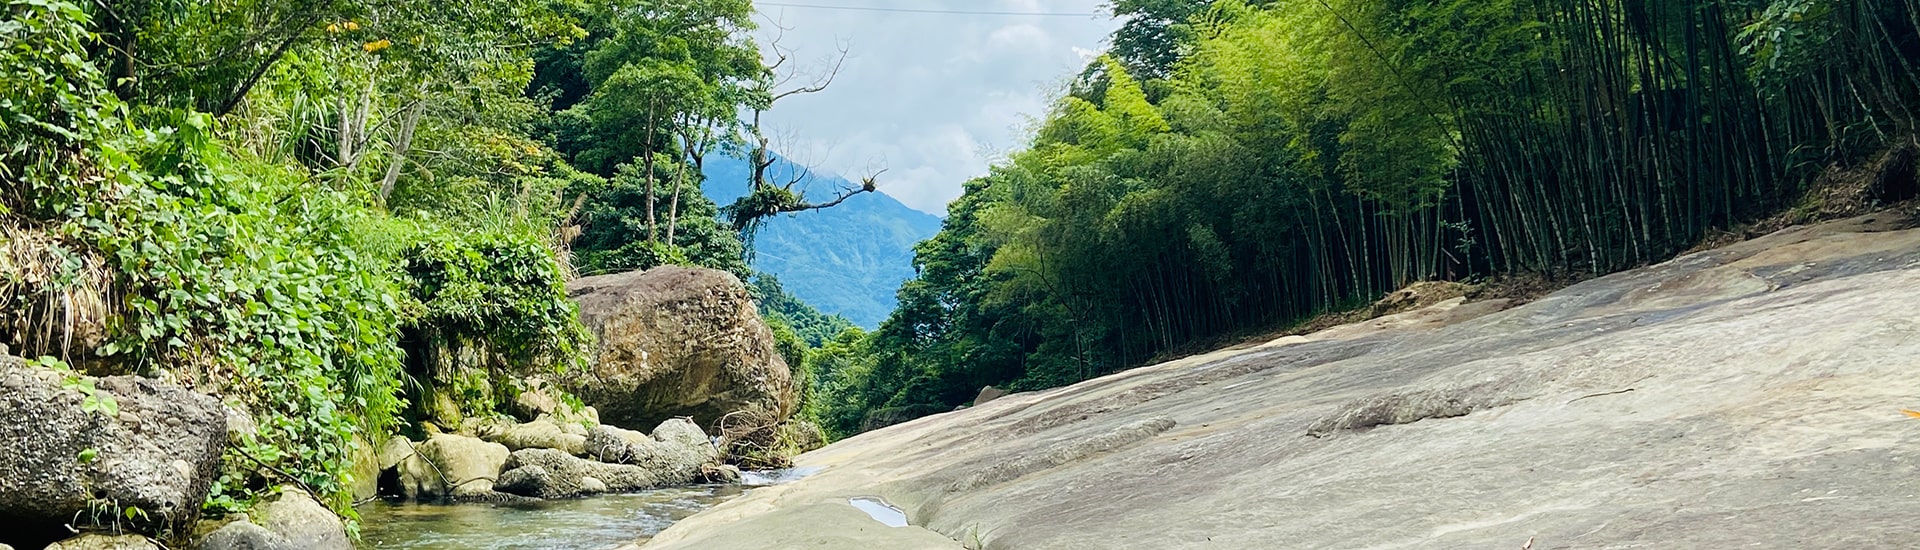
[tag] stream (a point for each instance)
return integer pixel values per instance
(599, 522)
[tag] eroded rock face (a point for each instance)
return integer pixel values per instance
(451, 466)
(160, 453)
(676, 341)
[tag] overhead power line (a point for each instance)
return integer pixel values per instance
(913, 10)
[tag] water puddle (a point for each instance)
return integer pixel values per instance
(880, 511)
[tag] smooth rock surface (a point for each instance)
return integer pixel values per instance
(241, 535)
(302, 521)
(160, 453)
(676, 341)
(451, 466)
(1743, 397)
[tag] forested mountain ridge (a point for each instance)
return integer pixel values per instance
(1233, 165)
(846, 260)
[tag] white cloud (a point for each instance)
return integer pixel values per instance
(934, 97)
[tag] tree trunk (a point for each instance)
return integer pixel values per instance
(401, 145)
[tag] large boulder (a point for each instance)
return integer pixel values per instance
(451, 467)
(676, 341)
(158, 450)
(675, 453)
(549, 473)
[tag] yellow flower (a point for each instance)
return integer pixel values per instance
(376, 45)
(331, 28)
(352, 26)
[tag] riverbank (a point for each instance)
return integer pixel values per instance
(1745, 395)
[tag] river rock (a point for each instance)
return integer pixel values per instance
(106, 542)
(675, 453)
(988, 393)
(297, 517)
(242, 535)
(451, 466)
(159, 453)
(541, 434)
(676, 341)
(549, 473)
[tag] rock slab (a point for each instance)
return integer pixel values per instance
(1743, 397)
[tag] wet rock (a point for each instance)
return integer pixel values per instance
(541, 434)
(160, 453)
(106, 542)
(548, 473)
(451, 466)
(676, 341)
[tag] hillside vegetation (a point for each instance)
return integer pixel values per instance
(1237, 165)
(350, 219)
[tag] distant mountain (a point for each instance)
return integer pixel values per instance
(847, 260)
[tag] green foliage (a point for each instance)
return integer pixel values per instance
(808, 324)
(502, 291)
(53, 106)
(91, 399)
(247, 262)
(615, 216)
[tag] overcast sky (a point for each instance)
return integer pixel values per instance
(933, 98)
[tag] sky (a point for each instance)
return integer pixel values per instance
(932, 98)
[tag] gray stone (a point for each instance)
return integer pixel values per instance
(675, 453)
(106, 542)
(541, 434)
(451, 466)
(160, 453)
(395, 450)
(987, 394)
(241, 535)
(590, 484)
(303, 521)
(548, 473)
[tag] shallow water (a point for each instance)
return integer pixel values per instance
(880, 511)
(590, 523)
